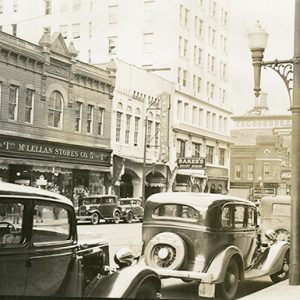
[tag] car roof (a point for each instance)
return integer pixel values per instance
(123, 199)
(196, 200)
(11, 190)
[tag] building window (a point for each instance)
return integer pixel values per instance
(76, 31)
(180, 148)
(15, 6)
(64, 31)
(198, 84)
(179, 110)
(100, 120)
(149, 132)
(208, 120)
(267, 169)
(76, 5)
(196, 150)
(13, 102)
(212, 8)
(29, 106)
(112, 44)
(211, 35)
(136, 130)
(1, 6)
(250, 172)
(179, 76)
(209, 154)
(127, 131)
(78, 113)
(48, 7)
(90, 29)
(14, 29)
(55, 110)
(184, 78)
(186, 17)
(118, 126)
(47, 30)
(149, 11)
(64, 5)
(157, 129)
(185, 48)
(201, 117)
(179, 45)
(89, 56)
(148, 41)
(237, 171)
(221, 157)
(113, 14)
(186, 112)
(90, 114)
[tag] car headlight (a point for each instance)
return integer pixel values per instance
(123, 209)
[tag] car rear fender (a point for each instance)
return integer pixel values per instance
(274, 260)
(219, 264)
(91, 211)
(123, 283)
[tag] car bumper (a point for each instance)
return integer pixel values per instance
(83, 217)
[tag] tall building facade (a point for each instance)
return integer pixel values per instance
(55, 117)
(183, 41)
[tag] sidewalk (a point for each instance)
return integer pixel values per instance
(278, 291)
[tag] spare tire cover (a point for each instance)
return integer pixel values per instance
(165, 250)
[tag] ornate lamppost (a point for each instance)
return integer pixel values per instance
(289, 71)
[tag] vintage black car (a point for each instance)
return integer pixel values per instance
(99, 207)
(211, 238)
(40, 254)
(131, 209)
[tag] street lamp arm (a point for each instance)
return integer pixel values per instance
(285, 69)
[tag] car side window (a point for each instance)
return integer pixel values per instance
(11, 217)
(251, 217)
(226, 219)
(50, 223)
(239, 217)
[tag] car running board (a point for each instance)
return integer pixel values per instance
(254, 273)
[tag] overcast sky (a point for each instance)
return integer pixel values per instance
(277, 18)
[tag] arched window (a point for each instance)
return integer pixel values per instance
(55, 110)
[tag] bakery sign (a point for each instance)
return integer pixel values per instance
(191, 162)
(27, 148)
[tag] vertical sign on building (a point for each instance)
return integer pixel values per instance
(164, 127)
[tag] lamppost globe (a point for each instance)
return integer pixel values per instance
(257, 38)
(257, 43)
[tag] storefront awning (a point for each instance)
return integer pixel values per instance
(191, 172)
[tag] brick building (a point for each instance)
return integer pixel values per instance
(55, 116)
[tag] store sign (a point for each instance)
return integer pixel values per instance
(191, 162)
(264, 191)
(21, 148)
(286, 175)
(164, 126)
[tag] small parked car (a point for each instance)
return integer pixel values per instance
(99, 207)
(40, 254)
(131, 209)
(275, 213)
(211, 238)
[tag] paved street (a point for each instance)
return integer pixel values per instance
(120, 235)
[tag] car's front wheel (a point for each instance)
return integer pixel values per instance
(147, 290)
(228, 288)
(117, 217)
(95, 218)
(129, 217)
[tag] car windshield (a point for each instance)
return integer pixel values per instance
(125, 202)
(179, 211)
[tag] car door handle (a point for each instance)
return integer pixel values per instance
(28, 263)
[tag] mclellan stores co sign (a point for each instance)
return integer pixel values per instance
(27, 148)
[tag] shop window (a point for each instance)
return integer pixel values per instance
(29, 106)
(13, 102)
(55, 107)
(90, 117)
(78, 119)
(100, 120)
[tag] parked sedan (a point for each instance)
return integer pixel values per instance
(40, 254)
(131, 209)
(211, 238)
(99, 207)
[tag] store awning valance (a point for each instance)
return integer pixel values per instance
(191, 172)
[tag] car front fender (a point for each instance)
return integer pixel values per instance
(123, 283)
(219, 264)
(274, 260)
